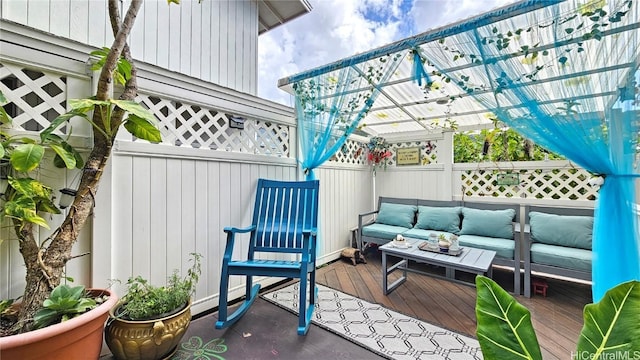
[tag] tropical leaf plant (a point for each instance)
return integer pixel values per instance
(610, 326)
(504, 325)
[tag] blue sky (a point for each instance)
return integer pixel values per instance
(336, 29)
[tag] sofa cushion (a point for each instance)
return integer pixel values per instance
(560, 256)
(561, 230)
(504, 248)
(491, 223)
(439, 218)
(396, 214)
(423, 234)
(382, 231)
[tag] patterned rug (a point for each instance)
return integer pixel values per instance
(381, 330)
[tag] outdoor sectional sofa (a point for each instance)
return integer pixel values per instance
(557, 241)
(487, 226)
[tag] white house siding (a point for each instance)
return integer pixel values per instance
(215, 41)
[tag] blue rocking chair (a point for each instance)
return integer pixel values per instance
(285, 218)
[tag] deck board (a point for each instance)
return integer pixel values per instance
(556, 318)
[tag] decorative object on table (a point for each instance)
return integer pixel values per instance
(454, 244)
(354, 255)
(426, 247)
(443, 243)
(433, 241)
(378, 152)
(400, 241)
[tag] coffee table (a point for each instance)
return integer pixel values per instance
(477, 261)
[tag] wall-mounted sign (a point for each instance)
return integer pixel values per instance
(508, 179)
(408, 156)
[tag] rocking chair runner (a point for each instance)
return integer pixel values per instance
(285, 218)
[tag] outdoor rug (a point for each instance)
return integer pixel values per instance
(266, 331)
(375, 327)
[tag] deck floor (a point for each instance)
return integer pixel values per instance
(557, 318)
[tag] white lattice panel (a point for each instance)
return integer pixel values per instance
(352, 152)
(566, 184)
(189, 125)
(36, 97)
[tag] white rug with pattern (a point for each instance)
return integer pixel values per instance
(379, 329)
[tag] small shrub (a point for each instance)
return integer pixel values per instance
(144, 301)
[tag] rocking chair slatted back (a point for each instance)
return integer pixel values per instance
(281, 212)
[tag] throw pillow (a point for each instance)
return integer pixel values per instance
(491, 223)
(396, 214)
(439, 218)
(562, 230)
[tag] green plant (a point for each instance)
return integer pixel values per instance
(144, 301)
(610, 328)
(64, 303)
(27, 198)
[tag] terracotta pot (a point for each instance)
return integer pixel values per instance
(146, 339)
(78, 338)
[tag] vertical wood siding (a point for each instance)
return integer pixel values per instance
(215, 41)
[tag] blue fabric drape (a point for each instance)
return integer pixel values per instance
(330, 106)
(578, 96)
(418, 69)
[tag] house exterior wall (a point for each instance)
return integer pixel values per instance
(215, 41)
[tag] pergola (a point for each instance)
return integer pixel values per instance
(563, 73)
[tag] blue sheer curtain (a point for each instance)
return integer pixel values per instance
(567, 78)
(329, 107)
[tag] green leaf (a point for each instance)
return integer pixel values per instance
(44, 317)
(23, 208)
(2, 152)
(46, 205)
(84, 105)
(136, 109)
(504, 325)
(26, 157)
(29, 187)
(142, 129)
(46, 134)
(611, 325)
(68, 157)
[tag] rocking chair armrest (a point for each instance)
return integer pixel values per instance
(230, 229)
(312, 231)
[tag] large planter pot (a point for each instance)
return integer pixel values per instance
(146, 339)
(78, 338)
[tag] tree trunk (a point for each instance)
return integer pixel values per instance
(45, 266)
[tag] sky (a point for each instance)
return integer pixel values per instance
(337, 29)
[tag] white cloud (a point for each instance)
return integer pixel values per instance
(336, 29)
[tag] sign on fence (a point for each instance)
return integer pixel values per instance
(408, 156)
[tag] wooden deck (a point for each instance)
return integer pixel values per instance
(557, 318)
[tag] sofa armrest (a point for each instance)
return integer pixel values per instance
(361, 216)
(360, 225)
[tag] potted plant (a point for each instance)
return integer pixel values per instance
(443, 243)
(149, 321)
(26, 197)
(68, 326)
(610, 328)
